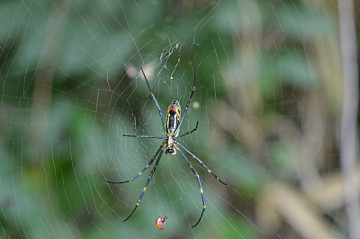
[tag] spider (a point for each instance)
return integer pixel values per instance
(170, 145)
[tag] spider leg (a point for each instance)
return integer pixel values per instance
(191, 131)
(143, 136)
(191, 96)
(201, 189)
(202, 164)
(141, 172)
(147, 183)
(153, 96)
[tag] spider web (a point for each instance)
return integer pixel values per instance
(267, 100)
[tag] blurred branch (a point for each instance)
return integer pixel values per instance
(349, 114)
(302, 209)
(328, 194)
(45, 71)
(281, 201)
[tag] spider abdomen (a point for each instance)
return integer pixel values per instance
(172, 124)
(173, 118)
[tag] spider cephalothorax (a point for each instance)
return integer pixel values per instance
(170, 145)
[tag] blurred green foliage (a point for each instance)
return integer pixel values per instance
(260, 59)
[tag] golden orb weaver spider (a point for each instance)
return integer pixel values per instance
(170, 145)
